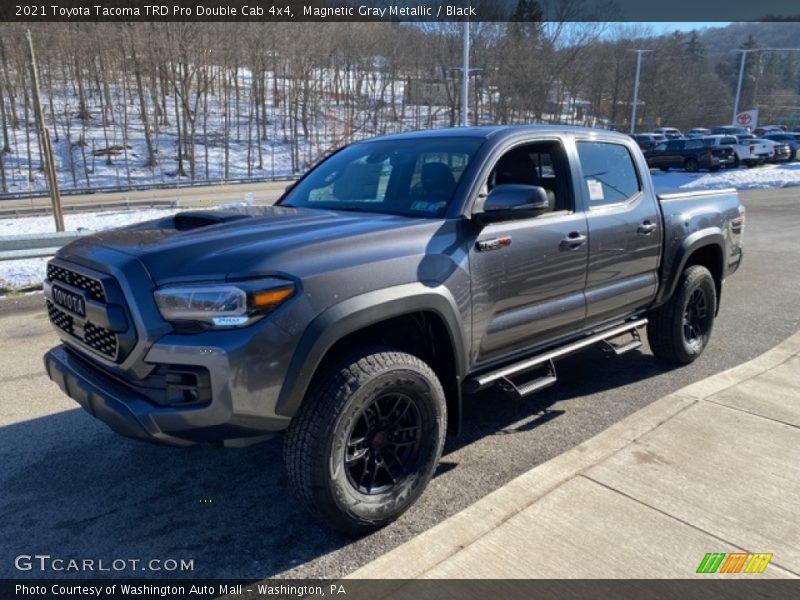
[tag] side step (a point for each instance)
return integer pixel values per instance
(618, 349)
(518, 391)
(503, 377)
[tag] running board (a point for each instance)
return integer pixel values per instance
(503, 376)
(517, 391)
(618, 349)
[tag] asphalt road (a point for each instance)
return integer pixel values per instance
(71, 488)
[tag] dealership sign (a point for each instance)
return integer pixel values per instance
(748, 118)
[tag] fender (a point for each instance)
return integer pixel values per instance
(710, 236)
(356, 313)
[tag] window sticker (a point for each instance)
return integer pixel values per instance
(595, 189)
(429, 207)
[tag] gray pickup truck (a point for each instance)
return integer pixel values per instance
(395, 277)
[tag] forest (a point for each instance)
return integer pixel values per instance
(131, 103)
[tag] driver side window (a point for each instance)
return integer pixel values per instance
(540, 164)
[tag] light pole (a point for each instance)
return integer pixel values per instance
(739, 85)
(465, 77)
(636, 87)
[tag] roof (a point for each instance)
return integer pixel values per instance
(497, 132)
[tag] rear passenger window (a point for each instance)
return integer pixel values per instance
(608, 172)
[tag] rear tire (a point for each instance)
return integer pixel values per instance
(679, 330)
(367, 439)
(691, 165)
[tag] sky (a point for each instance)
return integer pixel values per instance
(661, 28)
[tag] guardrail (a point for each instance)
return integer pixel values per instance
(36, 245)
(11, 213)
(140, 187)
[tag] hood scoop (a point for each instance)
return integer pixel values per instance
(196, 219)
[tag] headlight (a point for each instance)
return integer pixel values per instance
(223, 305)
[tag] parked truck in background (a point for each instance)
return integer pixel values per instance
(748, 152)
(397, 276)
(691, 155)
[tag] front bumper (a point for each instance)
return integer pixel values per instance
(133, 414)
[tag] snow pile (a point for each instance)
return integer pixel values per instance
(767, 176)
(21, 274)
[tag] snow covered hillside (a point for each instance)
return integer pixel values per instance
(107, 146)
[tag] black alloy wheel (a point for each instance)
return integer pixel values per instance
(383, 446)
(696, 318)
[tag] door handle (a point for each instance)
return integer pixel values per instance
(647, 228)
(574, 240)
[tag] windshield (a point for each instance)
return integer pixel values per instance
(411, 177)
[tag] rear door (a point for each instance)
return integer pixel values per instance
(625, 231)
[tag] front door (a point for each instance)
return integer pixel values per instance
(528, 275)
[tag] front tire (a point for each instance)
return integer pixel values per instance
(679, 330)
(367, 439)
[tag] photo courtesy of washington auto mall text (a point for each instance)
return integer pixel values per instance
(399, 299)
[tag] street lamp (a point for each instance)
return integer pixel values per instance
(739, 85)
(465, 73)
(636, 87)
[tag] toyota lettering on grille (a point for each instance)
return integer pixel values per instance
(72, 302)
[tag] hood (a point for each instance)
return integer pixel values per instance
(264, 240)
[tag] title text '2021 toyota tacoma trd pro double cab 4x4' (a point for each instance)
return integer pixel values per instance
(397, 275)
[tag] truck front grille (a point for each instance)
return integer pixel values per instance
(91, 286)
(59, 318)
(102, 327)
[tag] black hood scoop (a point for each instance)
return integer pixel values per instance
(195, 219)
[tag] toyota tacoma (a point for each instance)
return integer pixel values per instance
(397, 276)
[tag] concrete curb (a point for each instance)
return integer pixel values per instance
(444, 540)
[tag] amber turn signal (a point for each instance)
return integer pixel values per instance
(269, 299)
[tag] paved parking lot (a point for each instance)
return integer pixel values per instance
(73, 489)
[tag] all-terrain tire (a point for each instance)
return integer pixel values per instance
(677, 332)
(357, 399)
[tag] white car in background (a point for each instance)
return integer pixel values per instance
(698, 132)
(669, 132)
(753, 152)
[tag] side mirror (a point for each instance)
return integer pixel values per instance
(514, 201)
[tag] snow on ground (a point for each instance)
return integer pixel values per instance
(21, 274)
(766, 176)
(93, 221)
